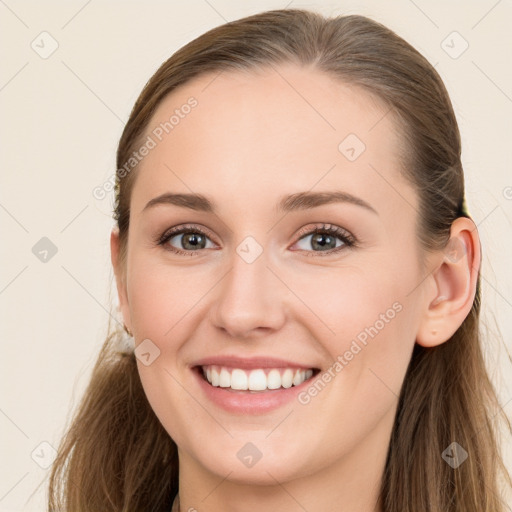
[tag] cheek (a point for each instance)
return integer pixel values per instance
(165, 308)
(350, 303)
(371, 322)
(162, 300)
(159, 296)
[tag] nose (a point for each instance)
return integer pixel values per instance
(249, 300)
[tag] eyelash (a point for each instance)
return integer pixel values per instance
(347, 239)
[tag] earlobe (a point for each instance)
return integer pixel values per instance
(452, 285)
(119, 273)
(114, 248)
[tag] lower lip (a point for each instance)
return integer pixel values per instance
(246, 402)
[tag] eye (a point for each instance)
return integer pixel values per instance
(325, 238)
(190, 238)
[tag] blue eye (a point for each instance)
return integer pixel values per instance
(328, 239)
(192, 239)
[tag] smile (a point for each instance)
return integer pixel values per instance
(257, 380)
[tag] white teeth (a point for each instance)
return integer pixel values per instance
(255, 380)
(286, 379)
(273, 379)
(224, 378)
(215, 377)
(238, 379)
(299, 377)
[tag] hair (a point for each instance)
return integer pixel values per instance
(116, 455)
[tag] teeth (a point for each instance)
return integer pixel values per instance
(299, 377)
(224, 378)
(255, 380)
(287, 378)
(273, 379)
(215, 378)
(238, 380)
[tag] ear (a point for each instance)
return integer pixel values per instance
(120, 275)
(452, 285)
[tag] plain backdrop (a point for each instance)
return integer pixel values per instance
(70, 74)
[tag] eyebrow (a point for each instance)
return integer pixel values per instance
(293, 202)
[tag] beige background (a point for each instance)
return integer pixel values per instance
(61, 119)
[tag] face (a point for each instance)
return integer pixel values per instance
(274, 280)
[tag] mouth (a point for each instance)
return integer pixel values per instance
(256, 380)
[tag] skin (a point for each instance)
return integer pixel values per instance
(251, 140)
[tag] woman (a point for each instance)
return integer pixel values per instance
(299, 278)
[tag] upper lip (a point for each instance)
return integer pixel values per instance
(250, 363)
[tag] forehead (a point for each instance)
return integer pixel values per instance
(274, 130)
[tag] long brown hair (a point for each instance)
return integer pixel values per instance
(116, 455)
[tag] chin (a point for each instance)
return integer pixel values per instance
(268, 468)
